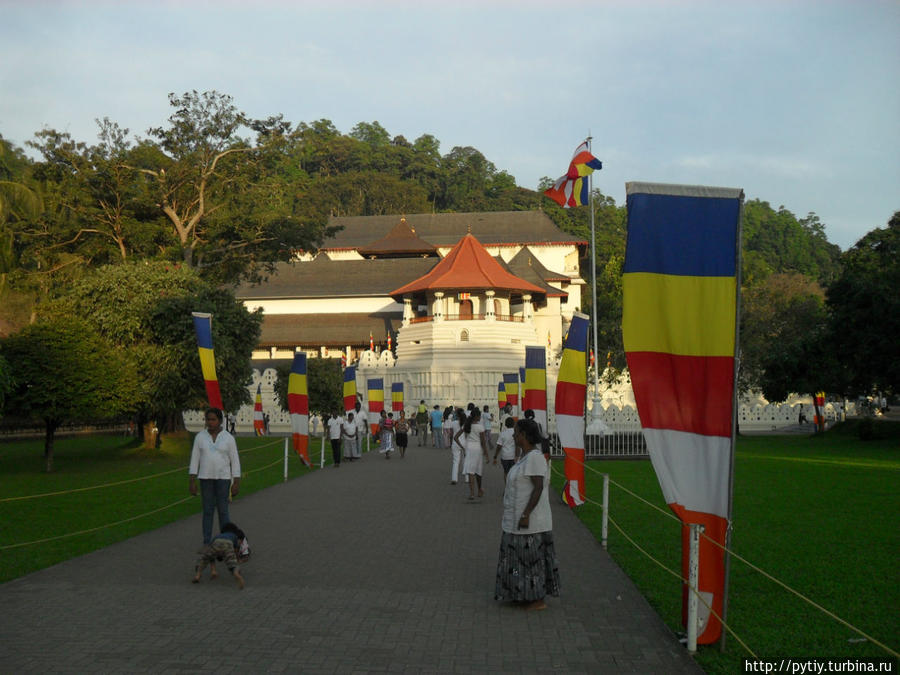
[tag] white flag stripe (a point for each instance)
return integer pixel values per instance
(571, 431)
(300, 424)
(692, 469)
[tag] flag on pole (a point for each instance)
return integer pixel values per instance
(679, 330)
(389, 342)
(203, 328)
(501, 395)
(548, 338)
(396, 396)
(371, 342)
(259, 422)
(511, 385)
(534, 395)
(571, 388)
(298, 406)
(350, 389)
(572, 188)
(343, 360)
(375, 387)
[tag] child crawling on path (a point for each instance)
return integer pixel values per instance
(224, 546)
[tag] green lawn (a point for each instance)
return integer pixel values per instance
(88, 461)
(818, 513)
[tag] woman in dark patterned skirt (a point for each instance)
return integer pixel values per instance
(527, 569)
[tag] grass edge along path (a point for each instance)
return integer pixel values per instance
(106, 489)
(818, 513)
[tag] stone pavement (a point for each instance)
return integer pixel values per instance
(377, 566)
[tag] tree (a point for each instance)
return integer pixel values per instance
(865, 312)
(229, 212)
(64, 372)
(144, 310)
(324, 386)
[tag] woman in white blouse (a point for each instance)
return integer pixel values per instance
(527, 569)
(476, 450)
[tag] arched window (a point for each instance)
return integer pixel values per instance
(498, 308)
(464, 336)
(465, 309)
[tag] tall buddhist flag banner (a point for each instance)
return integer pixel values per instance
(375, 388)
(534, 395)
(501, 395)
(259, 422)
(203, 328)
(397, 396)
(298, 406)
(680, 299)
(511, 385)
(522, 389)
(350, 389)
(572, 188)
(571, 388)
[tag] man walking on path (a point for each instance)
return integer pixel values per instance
(422, 423)
(215, 462)
(437, 431)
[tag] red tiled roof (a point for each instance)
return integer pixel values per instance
(400, 240)
(468, 266)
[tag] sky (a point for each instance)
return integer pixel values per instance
(795, 101)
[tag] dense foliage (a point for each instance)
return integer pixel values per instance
(227, 196)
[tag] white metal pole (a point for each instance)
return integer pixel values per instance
(285, 458)
(322, 455)
(604, 527)
(693, 581)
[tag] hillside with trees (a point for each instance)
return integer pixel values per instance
(222, 197)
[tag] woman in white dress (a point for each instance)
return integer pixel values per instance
(476, 450)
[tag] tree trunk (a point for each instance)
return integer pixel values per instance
(48, 444)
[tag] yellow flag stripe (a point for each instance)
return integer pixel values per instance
(684, 315)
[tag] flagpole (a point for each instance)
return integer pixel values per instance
(734, 419)
(595, 412)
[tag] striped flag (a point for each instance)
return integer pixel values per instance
(371, 342)
(350, 389)
(679, 329)
(203, 328)
(396, 396)
(534, 395)
(571, 388)
(259, 423)
(375, 387)
(501, 395)
(298, 406)
(511, 385)
(572, 189)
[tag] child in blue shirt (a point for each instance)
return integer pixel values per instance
(230, 545)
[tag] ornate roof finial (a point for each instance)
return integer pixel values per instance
(469, 228)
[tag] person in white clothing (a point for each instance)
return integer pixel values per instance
(362, 429)
(506, 447)
(335, 431)
(456, 446)
(476, 451)
(527, 570)
(215, 462)
(348, 433)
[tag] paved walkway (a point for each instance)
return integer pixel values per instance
(378, 566)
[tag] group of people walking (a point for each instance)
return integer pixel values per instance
(526, 569)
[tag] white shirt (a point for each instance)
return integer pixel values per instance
(507, 443)
(518, 491)
(486, 420)
(349, 428)
(335, 424)
(215, 459)
(362, 422)
(473, 438)
(454, 429)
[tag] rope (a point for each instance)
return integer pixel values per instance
(121, 482)
(738, 557)
(94, 529)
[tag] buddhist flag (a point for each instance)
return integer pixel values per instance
(298, 406)
(350, 389)
(571, 388)
(371, 342)
(501, 395)
(259, 422)
(573, 189)
(375, 387)
(679, 329)
(535, 385)
(511, 384)
(203, 328)
(397, 396)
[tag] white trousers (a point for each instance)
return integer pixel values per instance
(456, 451)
